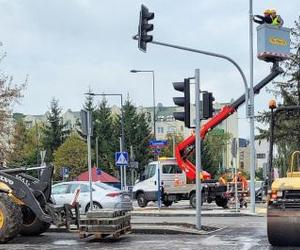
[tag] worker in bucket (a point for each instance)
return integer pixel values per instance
(276, 19)
(266, 18)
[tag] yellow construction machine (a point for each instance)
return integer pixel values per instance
(26, 207)
(283, 211)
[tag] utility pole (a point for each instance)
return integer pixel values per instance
(251, 111)
(89, 128)
(198, 150)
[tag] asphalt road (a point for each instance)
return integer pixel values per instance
(240, 233)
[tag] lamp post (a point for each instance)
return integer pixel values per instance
(122, 168)
(153, 94)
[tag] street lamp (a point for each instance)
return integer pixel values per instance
(153, 94)
(122, 144)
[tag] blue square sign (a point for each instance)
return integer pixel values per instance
(121, 158)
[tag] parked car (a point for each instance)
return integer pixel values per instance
(104, 196)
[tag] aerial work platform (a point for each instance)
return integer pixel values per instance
(273, 43)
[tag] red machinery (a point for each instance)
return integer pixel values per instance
(186, 147)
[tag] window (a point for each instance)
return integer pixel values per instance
(149, 172)
(73, 188)
(60, 189)
(260, 156)
(84, 188)
(160, 130)
(105, 186)
(171, 169)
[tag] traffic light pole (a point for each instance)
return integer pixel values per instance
(198, 150)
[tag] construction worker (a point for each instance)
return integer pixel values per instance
(223, 179)
(276, 19)
(266, 18)
(240, 178)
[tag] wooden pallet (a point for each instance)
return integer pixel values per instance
(105, 221)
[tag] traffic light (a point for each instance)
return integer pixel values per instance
(207, 103)
(183, 102)
(144, 27)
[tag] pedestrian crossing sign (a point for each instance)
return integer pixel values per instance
(121, 158)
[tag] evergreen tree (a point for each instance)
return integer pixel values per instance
(286, 136)
(89, 102)
(137, 132)
(55, 129)
(107, 138)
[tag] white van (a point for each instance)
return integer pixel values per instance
(174, 186)
(146, 189)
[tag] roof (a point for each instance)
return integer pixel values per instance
(103, 177)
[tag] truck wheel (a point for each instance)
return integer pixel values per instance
(10, 218)
(221, 202)
(167, 203)
(32, 225)
(193, 199)
(141, 200)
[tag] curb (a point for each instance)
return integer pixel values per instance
(139, 228)
(233, 214)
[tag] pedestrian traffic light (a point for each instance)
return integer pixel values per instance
(144, 27)
(207, 102)
(183, 102)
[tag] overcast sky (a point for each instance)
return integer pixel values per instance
(65, 46)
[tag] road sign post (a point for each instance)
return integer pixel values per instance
(121, 160)
(156, 145)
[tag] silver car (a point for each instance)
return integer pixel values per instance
(104, 196)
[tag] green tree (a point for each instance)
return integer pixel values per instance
(286, 136)
(55, 129)
(89, 102)
(73, 154)
(212, 150)
(137, 132)
(26, 145)
(108, 140)
(168, 151)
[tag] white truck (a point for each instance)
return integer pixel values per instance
(174, 186)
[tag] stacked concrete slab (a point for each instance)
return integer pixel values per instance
(103, 223)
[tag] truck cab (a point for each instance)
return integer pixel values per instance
(146, 189)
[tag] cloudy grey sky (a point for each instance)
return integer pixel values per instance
(65, 46)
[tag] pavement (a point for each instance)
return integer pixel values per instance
(180, 218)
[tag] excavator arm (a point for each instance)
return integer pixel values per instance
(185, 148)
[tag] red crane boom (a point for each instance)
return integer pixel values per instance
(186, 147)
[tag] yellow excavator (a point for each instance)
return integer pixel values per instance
(26, 207)
(283, 211)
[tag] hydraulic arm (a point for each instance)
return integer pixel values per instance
(186, 147)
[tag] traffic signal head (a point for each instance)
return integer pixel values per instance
(183, 102)
(207, 102)
(144, 27)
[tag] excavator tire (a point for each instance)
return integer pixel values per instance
(283, 227)
(32, 225)
(10, 218)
